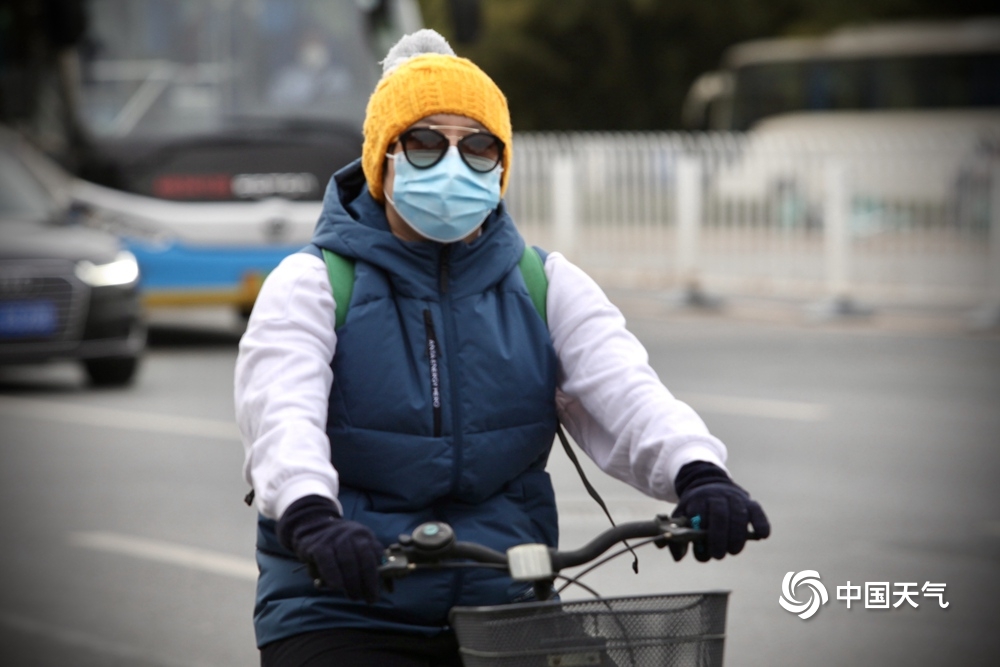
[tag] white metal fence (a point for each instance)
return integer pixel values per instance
(916, 222)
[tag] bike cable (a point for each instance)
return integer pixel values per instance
(592, 491)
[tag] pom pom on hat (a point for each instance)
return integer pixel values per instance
(415, 44)
(421, 77)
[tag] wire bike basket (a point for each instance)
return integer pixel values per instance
(678, 629)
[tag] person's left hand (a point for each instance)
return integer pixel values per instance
(724, 510)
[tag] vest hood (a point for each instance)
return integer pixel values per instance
(354, 225)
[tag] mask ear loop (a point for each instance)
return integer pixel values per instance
(389, 156)
(393, 156)
(385, 161)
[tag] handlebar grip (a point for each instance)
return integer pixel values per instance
(698, 533)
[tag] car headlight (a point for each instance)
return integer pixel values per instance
(124, 270)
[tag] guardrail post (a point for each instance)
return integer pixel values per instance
(564, 220)
(689, 219)
(988, 316)
(837, 244)
(836, 232)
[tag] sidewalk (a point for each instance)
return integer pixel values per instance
(786, 312)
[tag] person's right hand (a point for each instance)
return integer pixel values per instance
(343, 555)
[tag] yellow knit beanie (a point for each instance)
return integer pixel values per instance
(418, 85)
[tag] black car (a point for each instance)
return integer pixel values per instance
(67, 291)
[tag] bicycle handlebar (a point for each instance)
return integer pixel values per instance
(670, 530)
(433, 544)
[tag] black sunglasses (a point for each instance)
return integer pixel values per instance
(425, 146)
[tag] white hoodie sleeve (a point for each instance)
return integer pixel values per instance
(609, 398)
(282, 386)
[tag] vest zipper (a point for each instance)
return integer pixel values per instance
(443, 269)
(432, 355)
(450, 344)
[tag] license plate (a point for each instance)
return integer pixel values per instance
(28, 319)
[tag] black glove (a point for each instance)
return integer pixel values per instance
(342, 554)
(725, 509)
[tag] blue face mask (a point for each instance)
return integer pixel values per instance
(445, 202)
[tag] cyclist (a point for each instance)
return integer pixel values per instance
(439, 395)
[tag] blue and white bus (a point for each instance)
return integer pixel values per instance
(215, 126)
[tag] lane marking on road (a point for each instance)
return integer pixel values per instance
(94, 415)
(84, 641)
(167, 552)
(756, 407)
(150, 422)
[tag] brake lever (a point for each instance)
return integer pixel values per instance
(395, 564)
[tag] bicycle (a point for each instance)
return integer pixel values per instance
(672, 629)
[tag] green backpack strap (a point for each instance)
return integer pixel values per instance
(341, 272)
(533, 272)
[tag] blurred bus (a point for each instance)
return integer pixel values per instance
(214, 128)
(910, 111)
(917, 65)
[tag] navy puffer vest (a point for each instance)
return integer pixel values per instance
(442, 407)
